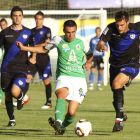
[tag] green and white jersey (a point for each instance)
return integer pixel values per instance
(70, 55)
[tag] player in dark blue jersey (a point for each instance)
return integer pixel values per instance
(3, 25)
(97, 60)
(123, 39)
(42, 34)
(14, 65)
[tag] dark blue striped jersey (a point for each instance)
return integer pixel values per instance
(124, 48)
(14, 59)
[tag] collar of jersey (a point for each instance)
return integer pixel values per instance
(16, 30)
(71, 41)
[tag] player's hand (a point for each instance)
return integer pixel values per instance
(19, 45)
(32, 60)
(103, 48)
(87, 66)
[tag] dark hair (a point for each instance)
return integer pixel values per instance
(16, 8)
(98, 28)
(69, 23)
(122, 15)
(39, 13)
(3, 19)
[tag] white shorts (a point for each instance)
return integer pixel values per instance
(77, 87)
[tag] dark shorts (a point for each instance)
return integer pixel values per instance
(42, 66)
(8, 79)
(97, 61)
(131, 72)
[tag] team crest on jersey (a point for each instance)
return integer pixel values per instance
(65, 47)
(41, 32)
(132, 36)
(122, 69)
(24, 36)
(81, 92)
(94, 41)
(105, 31)
(78, 47)
(20, 82)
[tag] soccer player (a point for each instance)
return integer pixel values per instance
(123, 39)
(42, 34)
(97, 60)
(3, 25)
(71, 83)
(14, 65)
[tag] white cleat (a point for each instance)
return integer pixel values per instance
(99, 88)
(46, 106)
(91, 88)
(15, 104)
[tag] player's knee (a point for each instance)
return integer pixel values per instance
(116, 84)
(71, 113)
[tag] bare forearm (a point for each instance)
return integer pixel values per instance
(89, 58)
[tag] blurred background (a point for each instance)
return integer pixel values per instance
(88, 15)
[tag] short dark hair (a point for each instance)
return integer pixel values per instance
(3, 19)
(39, 13)
(69, 23)
(16, 8)
(98, 28)
(122, 15)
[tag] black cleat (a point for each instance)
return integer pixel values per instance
(11, 123)
(56, 126)
(124, 117)
(20, 104)
(118, 126)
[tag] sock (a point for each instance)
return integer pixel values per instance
(91, 78)
(118, 102)
(26, 88)
(59, 110)
(10, 109)
(48, 92)
(99, 80)
(68, 120)
(1, 94)
(20, 97)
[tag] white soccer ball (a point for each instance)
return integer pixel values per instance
(83, 128)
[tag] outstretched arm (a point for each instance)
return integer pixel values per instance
(101, 46)
(36, 49)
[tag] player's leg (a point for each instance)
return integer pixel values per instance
(48, 92)
(100, 67)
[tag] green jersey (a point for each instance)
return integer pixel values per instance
(70, 55)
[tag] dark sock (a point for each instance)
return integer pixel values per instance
(118, 102)
(20, 97)
(26, 88)
(48, 92)
(10, 109)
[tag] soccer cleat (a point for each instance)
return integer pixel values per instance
(26, 101)
(14, 104)
(20, 104)
(124, 117)
(11, 123)
(118, 126)
(56, 126)
(99, 88)
(91, 88)
(46, 106)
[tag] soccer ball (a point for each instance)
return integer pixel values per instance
(83, 128)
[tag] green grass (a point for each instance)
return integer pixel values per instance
(32, 122)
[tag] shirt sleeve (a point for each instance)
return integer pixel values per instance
(31, 40)
(48, 34)
(87, 49)
(106, 34)
(1, 39)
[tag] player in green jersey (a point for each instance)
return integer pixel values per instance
(71, 83)
(3, 25)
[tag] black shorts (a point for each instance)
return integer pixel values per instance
(97, 61)
(8, 79)
(42, 66)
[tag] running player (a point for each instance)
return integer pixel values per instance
(14, 65)
(97, 60)
(71, 83)
(3, 25)
(123, 39)
(42, 34)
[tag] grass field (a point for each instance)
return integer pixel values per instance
(32, 122)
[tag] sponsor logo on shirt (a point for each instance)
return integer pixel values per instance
(106, 30)
(132, 36)
(78, 47)
(41, 32)
(65, 47)
(20, 82)
(9, 36)
(24, 36)
(72, 57)
(122, 69)
(48, 35)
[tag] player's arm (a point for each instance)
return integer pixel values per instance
(88, 62)
(101, 46)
